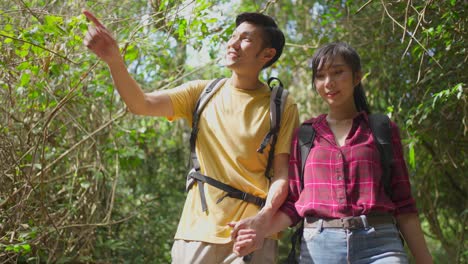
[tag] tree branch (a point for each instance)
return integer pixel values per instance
(39, 46)
(410, 34)
(363, 6)
(121, 114)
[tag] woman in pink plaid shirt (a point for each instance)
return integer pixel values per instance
(348, 217)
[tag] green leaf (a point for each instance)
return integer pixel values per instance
(204, 28)
(459, 90)
(8, 28)
(163, 5)
(26, 248)
(182, 27)
(16, 248)
(132, 53)
(52, 20)
(430, 31)
(25, 78)
(411, 158)
(7, 40)
(52, 24)
(24, 51)
(85, 184)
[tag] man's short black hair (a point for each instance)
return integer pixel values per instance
(273, 37)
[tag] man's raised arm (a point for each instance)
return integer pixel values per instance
(101, 42)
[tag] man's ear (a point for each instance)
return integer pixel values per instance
(268, 54)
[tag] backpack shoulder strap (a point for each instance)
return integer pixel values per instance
(381, 130)
(305, 136)
(205, 96)
(278, 99)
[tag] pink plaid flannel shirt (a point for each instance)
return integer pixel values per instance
(345, 181)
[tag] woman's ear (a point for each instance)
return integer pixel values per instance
(357, 78)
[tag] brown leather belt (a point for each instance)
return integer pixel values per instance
(352, 222)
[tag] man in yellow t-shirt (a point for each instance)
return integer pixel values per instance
(231, 127)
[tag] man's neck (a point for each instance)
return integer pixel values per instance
(245, 81)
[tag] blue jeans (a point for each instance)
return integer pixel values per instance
(378, 245)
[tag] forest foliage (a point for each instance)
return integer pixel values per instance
(83, 180)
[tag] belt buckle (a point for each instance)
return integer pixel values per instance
(351, 222)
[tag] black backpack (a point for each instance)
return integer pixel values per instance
(381, 130)
(277, 103)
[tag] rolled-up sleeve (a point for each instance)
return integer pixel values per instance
(288, 206)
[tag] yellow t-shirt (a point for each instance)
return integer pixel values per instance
(231, 128)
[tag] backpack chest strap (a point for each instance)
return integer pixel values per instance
(230, 191)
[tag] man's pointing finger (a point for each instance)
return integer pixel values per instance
(92, 18)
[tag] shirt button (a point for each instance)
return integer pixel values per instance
(339, 178)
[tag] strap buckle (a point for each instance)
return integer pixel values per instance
(190, 180)
(260, 202)
(265, 142)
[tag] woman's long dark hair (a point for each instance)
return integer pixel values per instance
(351, 58)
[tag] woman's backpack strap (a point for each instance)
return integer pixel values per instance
(382, 132)
(305, 142)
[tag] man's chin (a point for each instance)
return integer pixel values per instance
(231, 65)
